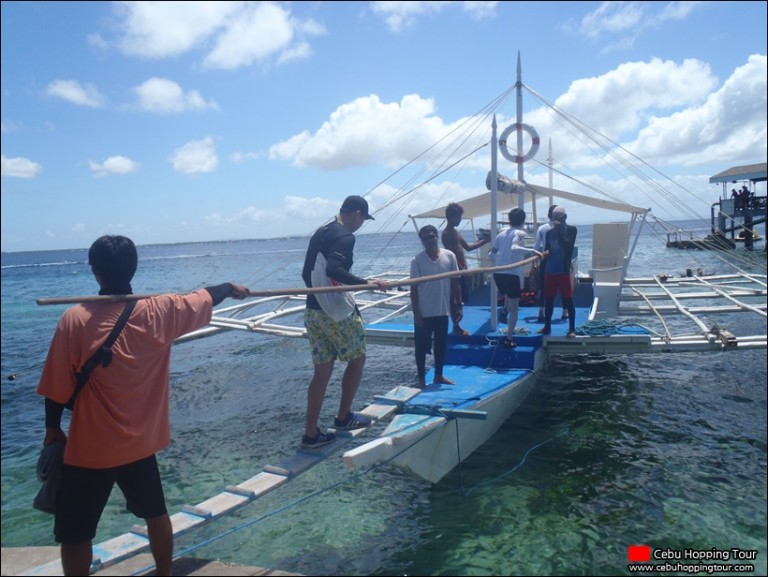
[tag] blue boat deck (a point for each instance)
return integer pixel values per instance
(472, 383)
(477, 322)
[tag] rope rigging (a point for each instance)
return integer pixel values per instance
(605, 328)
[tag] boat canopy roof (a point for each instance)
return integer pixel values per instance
(478, 206)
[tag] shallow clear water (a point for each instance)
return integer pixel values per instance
(668, 450)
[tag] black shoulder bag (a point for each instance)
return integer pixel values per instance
(102, 356)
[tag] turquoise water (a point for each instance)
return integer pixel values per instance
(665, 450)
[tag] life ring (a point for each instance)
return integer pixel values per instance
(527, 128)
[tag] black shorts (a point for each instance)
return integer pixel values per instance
(508, 284)
(83, 494)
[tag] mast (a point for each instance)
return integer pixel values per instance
(519, 112)
(549, 164)
(494, 191)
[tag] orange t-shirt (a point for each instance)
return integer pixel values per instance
(121, 414)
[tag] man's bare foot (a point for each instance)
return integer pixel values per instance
(543, 331)
(443, 381)
(421, 383)
(460, 332)
(571, 334)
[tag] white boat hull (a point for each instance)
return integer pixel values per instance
(431, 445)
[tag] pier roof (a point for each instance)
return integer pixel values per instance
(753, 172)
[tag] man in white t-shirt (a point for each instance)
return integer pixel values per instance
(509, 248)
(432, 302)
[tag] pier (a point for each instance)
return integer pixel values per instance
(734, 219)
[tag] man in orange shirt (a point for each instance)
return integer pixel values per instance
(120, 418)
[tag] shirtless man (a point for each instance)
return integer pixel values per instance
(454, 241)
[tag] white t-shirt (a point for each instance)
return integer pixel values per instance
(541, 235)
(434, 296)
(508, 248)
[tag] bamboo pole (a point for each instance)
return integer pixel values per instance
(292, 291)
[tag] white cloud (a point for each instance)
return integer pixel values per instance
(238, 157)
(629, 19)
(233, 34)
(401, 15)
(196, 156)
(480, 10)
(166, 29)
(259, 32)
(164, 96)
(612, 17)
(19, 167)
(366, 132)
(76, 93)
(681, 115)
(8, 126)
(729, 126)
(114, 165)
(286, 218)
(663, 112)
(618, 99)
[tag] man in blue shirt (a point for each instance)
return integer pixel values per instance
(559, 242)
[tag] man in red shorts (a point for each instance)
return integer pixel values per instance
(559, 243)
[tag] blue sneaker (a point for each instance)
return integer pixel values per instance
(353, 421)
(319, 440)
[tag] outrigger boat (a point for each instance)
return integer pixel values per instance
(431, 430)
(434, 429)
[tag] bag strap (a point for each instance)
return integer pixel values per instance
(103, 355)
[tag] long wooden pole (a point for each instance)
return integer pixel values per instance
(291, 291)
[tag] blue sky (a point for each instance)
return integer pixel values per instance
(194, 121)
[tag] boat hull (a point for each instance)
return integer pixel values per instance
(444, 424)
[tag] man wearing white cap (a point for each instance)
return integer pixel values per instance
(541, 235)
(559, 243)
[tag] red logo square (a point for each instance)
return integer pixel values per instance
(639, 553)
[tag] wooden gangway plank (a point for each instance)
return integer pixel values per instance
(234, 497)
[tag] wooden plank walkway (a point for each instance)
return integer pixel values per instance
(17, 560)
(136, 541)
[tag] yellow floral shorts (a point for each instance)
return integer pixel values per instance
(329, 340)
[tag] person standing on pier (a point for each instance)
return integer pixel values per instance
(120, 418)
(744, 197)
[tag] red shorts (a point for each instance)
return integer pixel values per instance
(555, 282)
